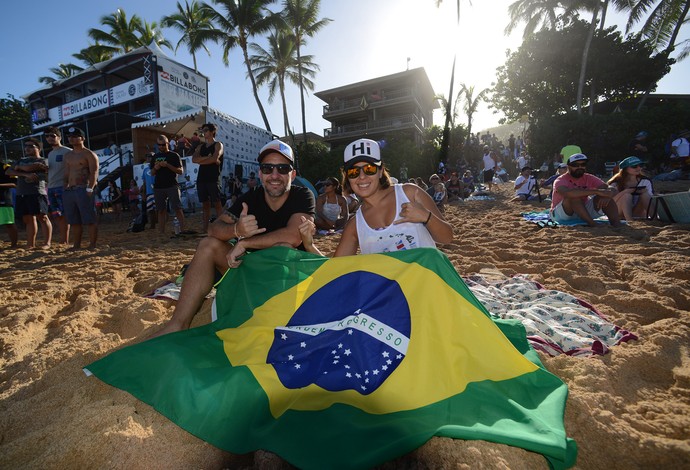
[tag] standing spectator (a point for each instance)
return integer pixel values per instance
(252, 183)
(134, 197)
(56, 179)
(638, 146)
(115, 197)
(7, 182)
(194, 143)
(183, 145)
(490, 167)
(32, 193)
(172, 145)
(209, 156)
(81, 172)
(165, 168)
(568, 150)
(511, 147)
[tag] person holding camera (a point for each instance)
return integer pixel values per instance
(525, 185)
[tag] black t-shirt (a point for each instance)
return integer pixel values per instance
(300, 200)
(165, 177)
(209, 173)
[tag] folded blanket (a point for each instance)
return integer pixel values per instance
(543, 219)
(556, 322)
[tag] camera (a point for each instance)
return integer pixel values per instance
(536, 173)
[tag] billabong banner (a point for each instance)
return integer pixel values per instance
(347, 363)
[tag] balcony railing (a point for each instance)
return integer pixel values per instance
(399, 122)
(373, 100)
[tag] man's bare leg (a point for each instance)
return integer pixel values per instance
(211, 254)
(76, 236)
(575, 206)
(93, 235)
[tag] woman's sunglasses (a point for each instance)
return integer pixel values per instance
(368, 169)
(283, 168)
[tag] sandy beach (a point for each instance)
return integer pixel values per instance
(61, 310)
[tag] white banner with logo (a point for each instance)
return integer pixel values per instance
(179, 88)
(129, 91)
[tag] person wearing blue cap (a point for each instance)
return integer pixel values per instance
(634, 189)
(259, 219)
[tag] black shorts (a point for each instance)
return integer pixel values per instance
(488, 176)
(208, 191)
(31, 204)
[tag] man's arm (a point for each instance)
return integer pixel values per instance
(92, 161)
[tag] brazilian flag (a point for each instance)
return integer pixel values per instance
(347, 363)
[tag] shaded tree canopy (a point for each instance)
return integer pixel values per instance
(540, 79)
(15, 119)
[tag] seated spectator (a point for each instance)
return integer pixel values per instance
(454, 187)
(525, 185)
(634, 189)
(352, 201)
(420, 182)
(581, 196)
(440, 195)
(331, 208)
(561, 169)
(467, 184)
(433, 180)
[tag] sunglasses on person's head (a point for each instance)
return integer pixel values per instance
(578, 164)
(368, 169)
(283, 168)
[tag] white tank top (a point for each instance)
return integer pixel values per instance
(394, 237)
(331, 211)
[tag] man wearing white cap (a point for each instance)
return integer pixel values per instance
(269, 216)
(580, 196)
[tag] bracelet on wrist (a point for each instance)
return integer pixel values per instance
(237, 235)
(428, 219)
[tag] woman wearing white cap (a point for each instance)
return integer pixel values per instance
(391, 217)
(634, 189)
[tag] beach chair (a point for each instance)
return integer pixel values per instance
(673, 208)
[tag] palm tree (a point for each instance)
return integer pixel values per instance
(661, 27)
(149, 33)
(301, 16)
(241, 20)
(95, 53)
(122, 34)
(61, 72)
(450, 107)
(194, 22)
(472, 103)
(278, 64)
(536, 14)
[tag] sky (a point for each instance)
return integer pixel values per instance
(366, 39)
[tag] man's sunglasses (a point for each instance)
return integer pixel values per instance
(577, 165)
(283, 168)
(368, 169)
(50, 136)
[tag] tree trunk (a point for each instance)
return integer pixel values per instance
(583, 67)
(593, 88)
(286, 122)
(301, 94)
(667, 52)
(445, 143)
(254, 89)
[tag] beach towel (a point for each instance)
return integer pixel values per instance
(556, 322)
(347, 363)
(543, 219)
